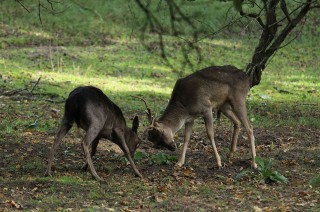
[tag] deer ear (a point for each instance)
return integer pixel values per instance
(135, 124)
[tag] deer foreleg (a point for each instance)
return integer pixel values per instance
(125, 148)
(241, 113)
(187, 134)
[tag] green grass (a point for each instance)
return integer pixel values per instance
(288, 93)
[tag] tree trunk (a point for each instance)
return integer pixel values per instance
(270, 42)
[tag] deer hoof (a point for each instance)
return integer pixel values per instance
(230, 156)
(230, 159)
(84, 167)
(178, 165)
(219, 164)
(98, 178)
(254, 165)
(47, 174)
(137, 174)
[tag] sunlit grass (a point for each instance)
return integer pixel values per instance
(124, 68)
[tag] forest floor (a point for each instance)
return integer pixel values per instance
(198, 186)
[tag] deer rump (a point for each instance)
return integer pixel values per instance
(87, 105)
(94, 112)
(216, 88)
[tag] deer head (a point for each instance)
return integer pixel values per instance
(161, 136)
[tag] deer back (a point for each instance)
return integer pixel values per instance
(87, 103)
(209, 87)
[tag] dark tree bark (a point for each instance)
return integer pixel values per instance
(274, 33)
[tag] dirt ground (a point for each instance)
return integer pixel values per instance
(198, 186)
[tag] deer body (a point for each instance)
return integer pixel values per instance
(94, 112)
(222, 88)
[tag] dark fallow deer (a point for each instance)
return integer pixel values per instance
(217, 88)
(94, 112)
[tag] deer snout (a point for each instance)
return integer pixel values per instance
(172, 146)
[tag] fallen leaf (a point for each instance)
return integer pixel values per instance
(161, 188)
(13, 204)
(27, 133)
(54, 113)
(157, 198)
(188, 172)
(256, 209)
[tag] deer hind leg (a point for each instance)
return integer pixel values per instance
(208, 120)
(89, 137)
(187, 134)
(227, 111)
(241, 111)
(63, 130)
(93, 152)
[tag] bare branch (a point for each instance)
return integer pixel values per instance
(35, 85)
(315, 7)
(23, 6)
(39, 12)
(284, 9)
(255, 16)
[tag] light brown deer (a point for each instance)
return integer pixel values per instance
(94, 112)
(216, 88)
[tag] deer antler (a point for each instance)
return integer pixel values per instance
(148, 110)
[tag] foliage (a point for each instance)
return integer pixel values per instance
(155, 159)
(266, 171)
(315, 181)
(162, 159)
(275, 22)
(243, 173)
(138, 155)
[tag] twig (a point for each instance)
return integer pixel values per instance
(39, 12)
(306, 104)
(23, 6)
(35, 85)
(53, 101)
(13, 92)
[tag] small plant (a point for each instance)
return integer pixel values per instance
(265, 171)
(269, 175)
(162, 159)
(159, 158)
(244, 173)
(138, 156)
(315, 181)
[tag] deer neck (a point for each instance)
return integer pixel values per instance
(174, 117)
